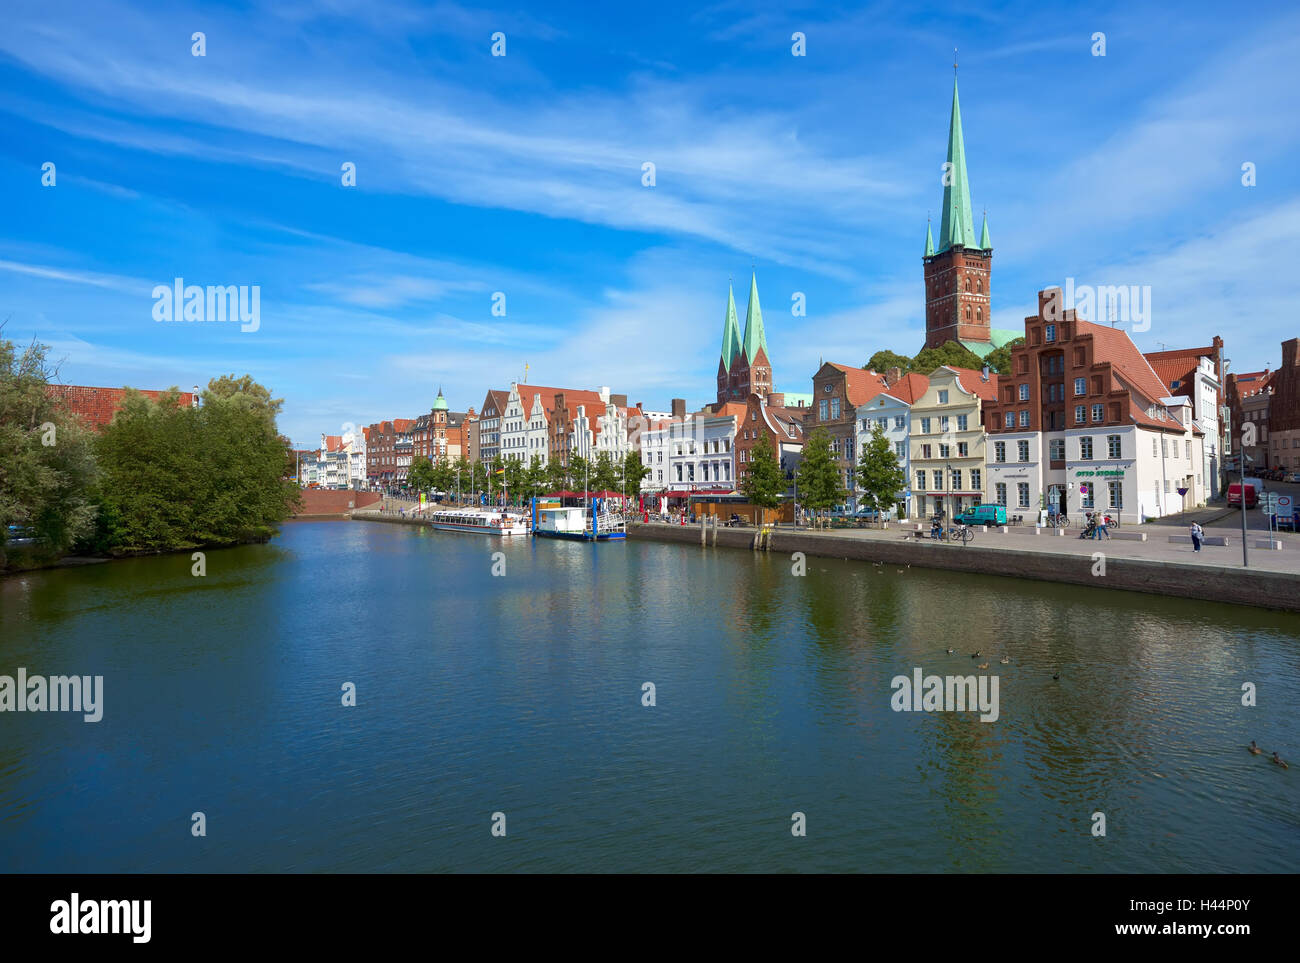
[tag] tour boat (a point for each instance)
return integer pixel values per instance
(495, 522)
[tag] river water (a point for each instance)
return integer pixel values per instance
(521, 694)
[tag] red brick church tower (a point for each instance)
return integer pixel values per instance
(957, 273)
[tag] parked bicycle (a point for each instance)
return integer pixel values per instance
(1058, 520)
(960, 533)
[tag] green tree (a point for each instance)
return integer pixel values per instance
(820, 486)
(557, 476)
(762, 482)
(882, 361)
(604, 473)
(950, 353)
(879, 475)
(420, 475)
(534, 479)
(634, 472)
(47, 465)
(579, 473)
(177, 477)
(999, 359)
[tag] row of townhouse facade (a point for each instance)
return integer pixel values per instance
(1265, 407)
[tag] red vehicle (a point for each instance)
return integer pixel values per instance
(1253, 488)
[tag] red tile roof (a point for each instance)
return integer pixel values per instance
(96, 406)
(860, 384)
(909, 387)
(973, 381)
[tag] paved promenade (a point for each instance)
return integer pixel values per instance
(1157, 546)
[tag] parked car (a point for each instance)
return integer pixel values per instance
(872, 515)
(983, 515)
(1294, 477)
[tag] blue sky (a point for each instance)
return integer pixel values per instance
(522, 174)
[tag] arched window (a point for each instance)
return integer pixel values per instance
(968, 312)
(979, 314)
(968, 284)
(979, 285)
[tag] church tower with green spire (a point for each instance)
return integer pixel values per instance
(957, 269)
(744, 368)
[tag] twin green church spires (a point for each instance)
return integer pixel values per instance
(755, 337)
(957, 228)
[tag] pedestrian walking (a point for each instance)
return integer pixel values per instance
(1197, 535)
(1103, 527)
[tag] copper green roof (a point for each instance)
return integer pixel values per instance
(985, 244)
(730, 331)
(755, 337)
(929, 240)
(958, 227)
(440, 403)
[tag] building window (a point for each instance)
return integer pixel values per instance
(835, 407)
(900, 449)
(1000, 451)
(1116, 493)
(925, 426)
(925, 451)
(848, 448)
(1085, 448)
(1080, 414)
(1098, 412)
(1051, 332)
(821, 410)
(1080, 386)
(1024, 392)
(1154, 451)
(898, 422)
(1022, 450)
(956, 479)
(920, 481)
(1112, 446)
(1000, 493)
(943, 424)
(1024, 419)
(938, 480)
(1011, 419)
(963, 450)
(1056, 449)
(943, 395)
(1188, 452)
(976, 476)
(1022, 494)
(962, 422)
(943, 451)
(1086, 497)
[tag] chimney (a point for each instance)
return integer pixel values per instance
(604, 393)
(894, 375)
(618, 400)
(679, 409)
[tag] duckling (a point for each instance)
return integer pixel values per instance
(1005, 660)
(1277, 760)
(982, 665)
(951, 651)
(1253, 749)
(976, 654)
(1056, 675)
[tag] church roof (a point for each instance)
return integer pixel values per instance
(958, 226)
(730, 332)
(755, 336)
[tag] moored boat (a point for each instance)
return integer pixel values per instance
(594, 524)
(477, 521)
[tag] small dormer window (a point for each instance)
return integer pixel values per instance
(1173, 385)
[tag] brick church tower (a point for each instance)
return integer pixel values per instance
(957, 273)
(743, 367)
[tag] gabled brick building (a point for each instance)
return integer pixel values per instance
(96, 406)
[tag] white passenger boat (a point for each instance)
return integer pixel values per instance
(496, 522)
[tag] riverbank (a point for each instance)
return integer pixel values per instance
(1151, 567)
